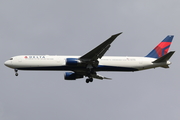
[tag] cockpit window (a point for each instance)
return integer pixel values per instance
(11, 58)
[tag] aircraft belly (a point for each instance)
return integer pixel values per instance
(45, 68)
(115, 68)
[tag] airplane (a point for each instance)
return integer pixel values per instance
(94, 61)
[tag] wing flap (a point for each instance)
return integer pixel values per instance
(97, 76)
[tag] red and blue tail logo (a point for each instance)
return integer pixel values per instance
(162, 48)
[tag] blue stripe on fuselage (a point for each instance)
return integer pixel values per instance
(78, 68)
(114, 68)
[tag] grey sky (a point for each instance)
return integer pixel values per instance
(73, 28)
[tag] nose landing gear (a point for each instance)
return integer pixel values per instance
(16, 72)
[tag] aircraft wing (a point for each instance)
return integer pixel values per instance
(90, 59)
(100, 50)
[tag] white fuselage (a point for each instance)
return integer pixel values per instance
(106, 63)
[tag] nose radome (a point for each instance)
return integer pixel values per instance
(7, 63)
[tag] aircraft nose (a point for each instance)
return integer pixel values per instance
(7, 63)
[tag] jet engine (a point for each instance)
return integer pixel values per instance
(72, 61)
(72, 76)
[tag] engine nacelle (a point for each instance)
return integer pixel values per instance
(72, 61)
(72, 76)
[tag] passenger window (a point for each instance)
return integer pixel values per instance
(11, 58)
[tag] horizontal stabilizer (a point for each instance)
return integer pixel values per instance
(164, 58)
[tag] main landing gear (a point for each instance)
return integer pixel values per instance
(16, 72)
(89, 80)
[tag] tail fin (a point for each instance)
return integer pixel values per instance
(162, 48)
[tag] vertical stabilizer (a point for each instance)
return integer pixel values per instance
(162, 48)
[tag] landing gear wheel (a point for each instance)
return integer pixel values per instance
(91, 80)
(16, 74)
(87, 80)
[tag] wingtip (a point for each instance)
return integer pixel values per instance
(117, 34)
